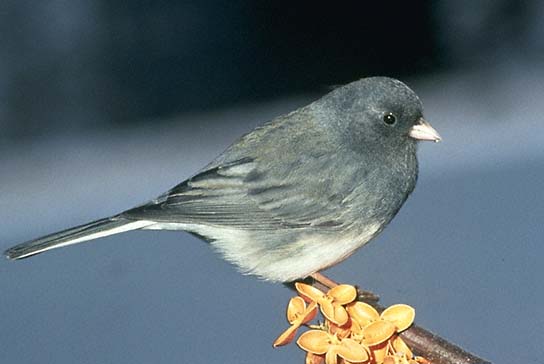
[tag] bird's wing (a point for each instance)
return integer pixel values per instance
(243, 194)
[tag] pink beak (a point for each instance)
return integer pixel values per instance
(424, 131)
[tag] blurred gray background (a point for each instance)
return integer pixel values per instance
(104, 105)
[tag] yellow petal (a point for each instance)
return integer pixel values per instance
(328, 310)
(340, 315)
(363, 313)
(314, 359)
(421, 360)
(378, 332)
(295, 309)
(352, 351)
(390, 359)
(379, 352)
(308, 292)
(314, 341)
(310, 313)
(331, 357)
(355, 328)
(343, 294)
(340, 331)
(402, 316)
(286, 337)
(400, 347)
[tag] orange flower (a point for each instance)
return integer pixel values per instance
(378, 332)
(400, 316)
(297, 315)
(319, 342)
(353, 332)
(332, 302)
(400, 347)
(314, 359)
(340, 331)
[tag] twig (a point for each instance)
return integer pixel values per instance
(437, 349)
(423, 342)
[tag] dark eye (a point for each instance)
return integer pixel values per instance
(390, 118)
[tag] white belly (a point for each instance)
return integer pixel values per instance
(309, 253)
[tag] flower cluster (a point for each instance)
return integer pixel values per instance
(353, 332)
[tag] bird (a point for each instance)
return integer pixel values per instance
(297, 194)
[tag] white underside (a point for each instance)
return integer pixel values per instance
(310, 253)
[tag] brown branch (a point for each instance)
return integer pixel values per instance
(437, 349)
(423, 342)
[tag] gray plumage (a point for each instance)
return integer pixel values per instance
(297, 194)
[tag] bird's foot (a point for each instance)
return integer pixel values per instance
(362, 295)
(323, 280)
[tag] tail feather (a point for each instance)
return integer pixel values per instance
(78, 234)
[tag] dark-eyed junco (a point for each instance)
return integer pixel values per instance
(297, 194)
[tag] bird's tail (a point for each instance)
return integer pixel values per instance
(93, 230)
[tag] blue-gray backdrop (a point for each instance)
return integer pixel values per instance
(104, 107)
